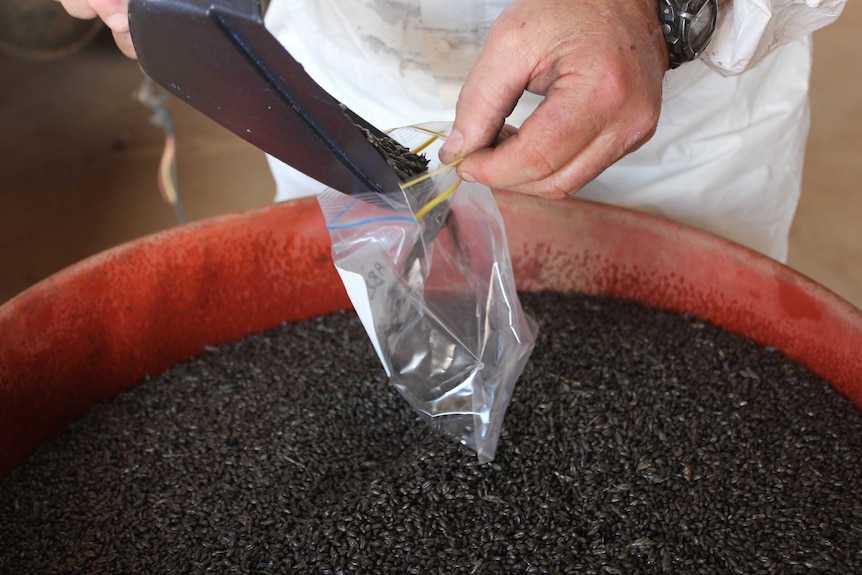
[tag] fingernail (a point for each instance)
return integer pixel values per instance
(467, 177)
(453, 143)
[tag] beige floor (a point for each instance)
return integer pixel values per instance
(78, 158)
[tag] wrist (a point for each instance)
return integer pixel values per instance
(688, 27)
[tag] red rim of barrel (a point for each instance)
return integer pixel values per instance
(99, 326)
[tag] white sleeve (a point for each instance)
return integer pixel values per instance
(748, 30)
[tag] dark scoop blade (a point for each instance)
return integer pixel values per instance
(217, 56)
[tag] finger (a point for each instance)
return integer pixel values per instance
(561, 183)
(554, 134)
(115, 13)
(124, 43)
(79, 9)
(594, 159)
(488, 96)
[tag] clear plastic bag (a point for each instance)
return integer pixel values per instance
(430, 277)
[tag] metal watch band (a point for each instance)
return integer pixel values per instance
(688, 26)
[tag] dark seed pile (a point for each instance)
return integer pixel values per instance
(403, 162)
(637, 442)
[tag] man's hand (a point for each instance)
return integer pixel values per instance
(599, 64)
(114, 13)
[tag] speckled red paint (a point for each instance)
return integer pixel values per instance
(582, 246)
(98, 327)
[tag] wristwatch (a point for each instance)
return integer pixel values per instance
(688, 26)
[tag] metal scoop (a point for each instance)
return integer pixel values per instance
(217, 56)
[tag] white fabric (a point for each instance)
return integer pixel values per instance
(726, 156)
(751, 29)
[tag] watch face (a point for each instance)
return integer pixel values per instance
(688, 26)
(701, 26)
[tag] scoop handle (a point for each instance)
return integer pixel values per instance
(217, 56)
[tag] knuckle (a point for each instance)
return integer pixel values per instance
(642, 126)
(613, 89)
(561, 185)
(556, 192)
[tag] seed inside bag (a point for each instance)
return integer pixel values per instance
(406, 164)
(636, 441)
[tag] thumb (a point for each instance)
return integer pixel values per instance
(488, 96)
